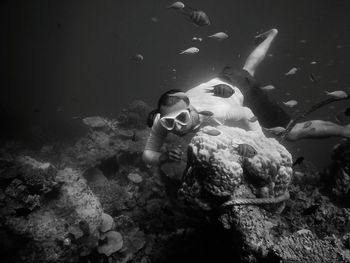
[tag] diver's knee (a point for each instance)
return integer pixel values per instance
(274, 31)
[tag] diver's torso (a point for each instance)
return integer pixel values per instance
(201, 99)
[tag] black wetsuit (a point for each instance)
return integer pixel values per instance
(269, 113)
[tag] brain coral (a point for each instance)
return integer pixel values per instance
(216, 168)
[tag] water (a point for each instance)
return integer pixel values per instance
(71, 58)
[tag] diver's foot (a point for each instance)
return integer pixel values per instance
(261, 37)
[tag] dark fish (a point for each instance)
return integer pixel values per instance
(347, 112)
(222, 90)
(313, 78)
(212, 132)
(307, 124)
(207, 113)
(246, 150)
(137, 58)
(253, 119)
(199, 18)
(133, 137)
(298, 161)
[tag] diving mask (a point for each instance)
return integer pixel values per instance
(182, 117)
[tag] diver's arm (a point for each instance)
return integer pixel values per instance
(151, 157)
(152, 153)
(318, 129)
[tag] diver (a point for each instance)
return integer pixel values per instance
(233, 98)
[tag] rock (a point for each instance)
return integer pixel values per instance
(94, 122)
(47, 207)
(107, 223)
(135, 115)
(135, 178)
(217, 169)
(113, 243)
(217, 173)
(95, 176)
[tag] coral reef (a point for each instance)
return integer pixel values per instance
(135, 115)
(47, 207)
(96, 201)
(215, 176)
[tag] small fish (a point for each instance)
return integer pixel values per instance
(312, 78)
(338, 94)
(298, 161)
(290, 103)
(223, 91)
(246, 150)
(173, 70)
(197, 39)
(253, 119)
(276, 130)
(206, 113)
(137, 58)
(307, 124)
(212, 132)
(267, 88)
(59, 109)
(199, 18)
(176, 5)
(304, 231)
(297, 173)
(190, 51)
(313, 62)
(154, 19)
(219, 36)
(303, 41)
(292, 71)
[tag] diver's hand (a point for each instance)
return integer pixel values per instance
(173, 155)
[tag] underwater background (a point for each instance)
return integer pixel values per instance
(62, 59)
(78, 79)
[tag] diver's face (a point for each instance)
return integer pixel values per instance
(179, 128)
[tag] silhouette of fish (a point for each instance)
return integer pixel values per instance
(222, 90)
(219, 36)
(137, 58)
(197, 17)
(190, 51)
(245, 150)
(253, 119)
(206, 113)
(290, 103)
(176, 5)
(212, 132)
(338, 94)
(298, 161)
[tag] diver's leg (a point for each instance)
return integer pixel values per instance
(317, 130)
(260, 51)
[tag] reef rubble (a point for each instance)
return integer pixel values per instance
(94, 200)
